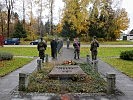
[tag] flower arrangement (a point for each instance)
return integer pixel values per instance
(69, 62)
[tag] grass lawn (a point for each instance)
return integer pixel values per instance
(11, 65)
(105, 51)
(106, 55)
(119, 42)
(124, 66)
(23, 51)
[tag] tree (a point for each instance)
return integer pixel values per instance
(131, 32)
(107, 22)
(67, 31)
(51, 7)
(42, 5)
(47, 27)
(9, 6)
(94, 20)
(76, 15)
(23, 14)
(19, 31)
(121, 21)
(1, 19)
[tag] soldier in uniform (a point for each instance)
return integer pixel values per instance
(76, 46)
(41, 48)
(93, 48)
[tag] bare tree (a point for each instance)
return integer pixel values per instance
(40, 19)
(24, 14)
(9, 6)
(1, 18)
(42, 5)
(51, 6)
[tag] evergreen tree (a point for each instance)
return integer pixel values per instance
(19, 31)
(67, 31)
(105, 21)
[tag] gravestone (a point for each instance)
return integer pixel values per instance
(67, 71)
(39, 64)
(46, 58)
(111, 82)
(23, 81)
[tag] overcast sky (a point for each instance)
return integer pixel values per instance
(128, 4)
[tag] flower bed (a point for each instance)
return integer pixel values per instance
(92, 83)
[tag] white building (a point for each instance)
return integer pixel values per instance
(128, 37)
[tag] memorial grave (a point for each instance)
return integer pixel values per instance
(66, 77)
(66, 72)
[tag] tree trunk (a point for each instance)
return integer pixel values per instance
(23, 14)
(2, 26)
(8, 23)
(51, 17)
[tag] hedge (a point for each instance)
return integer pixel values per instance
(127, 55)
(5, 56)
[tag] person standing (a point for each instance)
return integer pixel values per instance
(53, 44)
(41, 48)
(93, 48)
(76, 46)
(68, 43)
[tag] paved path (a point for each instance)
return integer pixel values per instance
(10, 81)
(123, 83)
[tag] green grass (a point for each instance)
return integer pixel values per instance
(8, 66)
(117, 43)
(11, 65)
(112, 43)
(106, 54)
(23, 51)
(124, 66)
(105, 51)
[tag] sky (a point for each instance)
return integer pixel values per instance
(128, 5)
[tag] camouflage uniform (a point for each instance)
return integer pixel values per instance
(76, 46)
(41, 48)
(93, 48)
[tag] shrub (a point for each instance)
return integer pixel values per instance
(27, 39)
(48, 38)
(5, 56)
(127, 55)
(85, 39)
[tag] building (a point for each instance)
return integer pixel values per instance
(128, 37)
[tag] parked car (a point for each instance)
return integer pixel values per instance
(12, 41)
(35, 42)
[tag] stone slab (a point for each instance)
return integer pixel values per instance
(63, 71)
